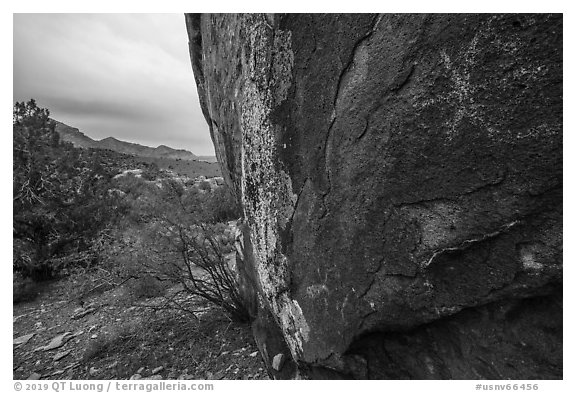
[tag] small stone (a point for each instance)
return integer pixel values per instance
(140, 370)
(34, 376)
(157, 370)
(23, 339)
(71, 366)
(93, 371)
(61, 355)
(83, 312)
(136, 377)
(112, 365)
(278, 362)
(153, 377)
(56, 342)
(94, 336)
(253, 354)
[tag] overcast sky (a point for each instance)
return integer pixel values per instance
(122, 75)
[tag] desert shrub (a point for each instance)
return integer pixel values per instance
(145, 287)
(123, 338)
(222, 205)
(205, 185)
(23, 289)
(151, 172)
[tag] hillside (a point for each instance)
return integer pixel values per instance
(179, 161)
(74, 136)
(79, 139)
(144, 151)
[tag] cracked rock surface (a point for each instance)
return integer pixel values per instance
(401, 183)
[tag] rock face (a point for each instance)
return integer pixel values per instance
(401, 183)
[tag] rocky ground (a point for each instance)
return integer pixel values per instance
(112, 336)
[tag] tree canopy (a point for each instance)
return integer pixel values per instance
(60, 198)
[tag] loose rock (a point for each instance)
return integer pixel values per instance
(153, 377)
(23, 339)
(56, 342)
(61, 355)
(278, 362)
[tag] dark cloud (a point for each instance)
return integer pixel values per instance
(121, 75)
(90, 108)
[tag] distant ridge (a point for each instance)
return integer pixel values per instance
(79, 139)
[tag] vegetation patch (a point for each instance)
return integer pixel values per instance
(131, 267)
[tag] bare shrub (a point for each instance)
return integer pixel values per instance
(174, 238)
(193, 257)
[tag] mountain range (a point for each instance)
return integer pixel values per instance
(79, 139)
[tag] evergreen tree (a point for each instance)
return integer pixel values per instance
(60, 195)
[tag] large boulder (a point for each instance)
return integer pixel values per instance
(401, 184)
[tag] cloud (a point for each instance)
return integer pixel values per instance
(122, 75)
